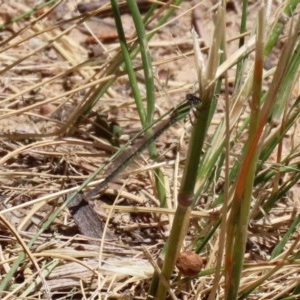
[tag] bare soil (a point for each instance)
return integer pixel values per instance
(45, 155)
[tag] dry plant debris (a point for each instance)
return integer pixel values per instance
(48, 64)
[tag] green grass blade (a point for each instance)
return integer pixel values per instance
(28, 13)
(129, 64)
(280, 246)
(150, 91)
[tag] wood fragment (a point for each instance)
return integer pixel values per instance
(87, 220)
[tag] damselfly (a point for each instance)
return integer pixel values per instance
(175, 114)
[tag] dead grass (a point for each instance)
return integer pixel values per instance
(47, 151)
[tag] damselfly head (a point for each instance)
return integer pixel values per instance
(192, 99)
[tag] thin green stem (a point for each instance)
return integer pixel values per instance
(128, 64)
(186, 197)
(28, 13)
(150, 92)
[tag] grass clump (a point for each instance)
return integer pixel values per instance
(233, 222)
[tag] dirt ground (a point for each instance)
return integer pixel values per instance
(45, 155)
